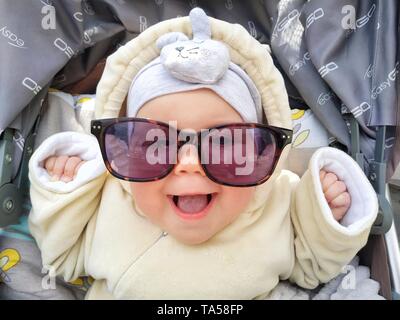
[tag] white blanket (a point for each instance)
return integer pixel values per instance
(353, 283)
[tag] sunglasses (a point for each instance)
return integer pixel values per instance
(236, 154)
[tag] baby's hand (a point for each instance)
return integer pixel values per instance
(336, 194)
(63, 167)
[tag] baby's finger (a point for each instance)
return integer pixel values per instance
(329, 179)
(343, 200)
(338, 213)
(322, 174)
(335, 190)
(77, 167)
(49, 164)
(69, 169)
(59, 167)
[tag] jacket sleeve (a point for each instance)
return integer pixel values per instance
(63, 214)
(322, 245)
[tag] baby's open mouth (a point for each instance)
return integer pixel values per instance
(193, 205)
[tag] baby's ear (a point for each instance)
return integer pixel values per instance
(122, 111)
(170, 37)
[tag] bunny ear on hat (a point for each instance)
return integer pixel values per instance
(200, 24)
(201, 30)
(169, 38)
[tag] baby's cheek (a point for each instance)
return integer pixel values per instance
(147, 197)
(235, 200)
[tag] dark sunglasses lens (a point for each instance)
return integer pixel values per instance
(138, 150)
(239, 155)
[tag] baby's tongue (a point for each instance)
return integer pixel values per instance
(192, 204)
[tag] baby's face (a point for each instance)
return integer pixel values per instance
(166, 202)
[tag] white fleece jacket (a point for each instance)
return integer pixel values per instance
(91, 226)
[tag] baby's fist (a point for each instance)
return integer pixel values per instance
(63, 168)
(336, 194)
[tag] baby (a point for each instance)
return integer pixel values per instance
(171, 223)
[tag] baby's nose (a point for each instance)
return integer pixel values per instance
(188, 161)
(179, 48)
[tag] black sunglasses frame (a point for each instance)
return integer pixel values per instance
(283, 137)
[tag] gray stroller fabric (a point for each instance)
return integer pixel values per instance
(342, 57)
(337, 57)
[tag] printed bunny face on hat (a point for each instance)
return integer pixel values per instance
(200, 60)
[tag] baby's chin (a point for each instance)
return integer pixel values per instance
(192, 239)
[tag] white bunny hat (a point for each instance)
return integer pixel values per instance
(245, 51)
(186, 65)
